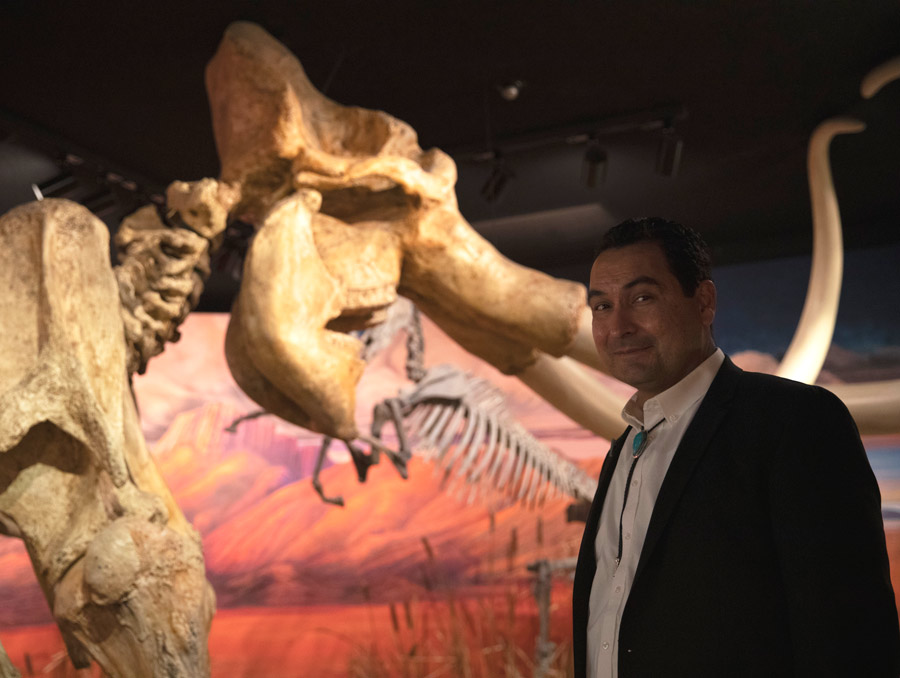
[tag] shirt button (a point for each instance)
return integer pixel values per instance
(628, 535)
(605, 646)
(634, 483)
(618, 589)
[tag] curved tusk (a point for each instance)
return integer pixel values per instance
(575, 393)
(880, 76)
(582, 347)
(806, 353)
(875, 406)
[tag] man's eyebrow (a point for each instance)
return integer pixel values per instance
(640, 280)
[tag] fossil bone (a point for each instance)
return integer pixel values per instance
(164, 265)
(277, 345)
(378, 217)
(120, 566)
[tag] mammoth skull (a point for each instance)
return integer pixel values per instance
(351, 212)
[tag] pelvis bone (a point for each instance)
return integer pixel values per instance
(353, 212)
(120, 566)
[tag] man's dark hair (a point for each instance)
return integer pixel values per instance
(685, 250)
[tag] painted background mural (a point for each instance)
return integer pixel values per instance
(409, 579)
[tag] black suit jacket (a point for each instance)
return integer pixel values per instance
(765, 553)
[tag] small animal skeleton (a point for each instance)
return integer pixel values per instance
(459, 422)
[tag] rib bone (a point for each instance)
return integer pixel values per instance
(520, 465)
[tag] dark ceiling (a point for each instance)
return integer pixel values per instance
(122, 85)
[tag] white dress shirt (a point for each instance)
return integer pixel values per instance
(673, 410)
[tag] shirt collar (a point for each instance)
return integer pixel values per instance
(675, 400)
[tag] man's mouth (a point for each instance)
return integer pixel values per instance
(631, 350)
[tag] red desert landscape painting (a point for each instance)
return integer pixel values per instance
(415, 577)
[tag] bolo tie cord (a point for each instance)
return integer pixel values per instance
(638, 445)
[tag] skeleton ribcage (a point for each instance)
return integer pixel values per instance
(473, 438)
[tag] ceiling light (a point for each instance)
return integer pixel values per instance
(510, 91)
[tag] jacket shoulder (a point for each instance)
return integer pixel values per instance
(796, 397)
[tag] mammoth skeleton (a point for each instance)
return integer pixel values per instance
(349, 212)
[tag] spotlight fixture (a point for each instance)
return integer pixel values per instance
(658, 123)
(594, 165)
(668, 153)
(511, 90)
(500, 174)
(57, 187)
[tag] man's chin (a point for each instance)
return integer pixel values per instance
(633, 373)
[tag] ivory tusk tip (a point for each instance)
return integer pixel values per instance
(840, 125)
(880, 76)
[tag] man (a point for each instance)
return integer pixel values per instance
(736, 529)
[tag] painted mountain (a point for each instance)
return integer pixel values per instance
(270, 540)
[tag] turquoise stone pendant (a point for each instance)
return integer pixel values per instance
(637, 445)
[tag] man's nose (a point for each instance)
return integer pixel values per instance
(621, 321)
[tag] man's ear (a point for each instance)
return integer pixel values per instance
(706, 301)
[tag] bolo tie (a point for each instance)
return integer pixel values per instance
(638, 445)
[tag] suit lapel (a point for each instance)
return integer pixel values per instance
(587, 560)
(603, 481)
(694, 444)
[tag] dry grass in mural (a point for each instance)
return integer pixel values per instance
(469, 639)
(487, 637)
(58, 665)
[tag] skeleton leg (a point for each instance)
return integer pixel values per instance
(361, 460)
(232, 427)
(391, 409)
(316, 483)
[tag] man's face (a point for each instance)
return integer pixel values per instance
(648, 333)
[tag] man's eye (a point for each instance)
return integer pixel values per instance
(643, 297)
(599, 306)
